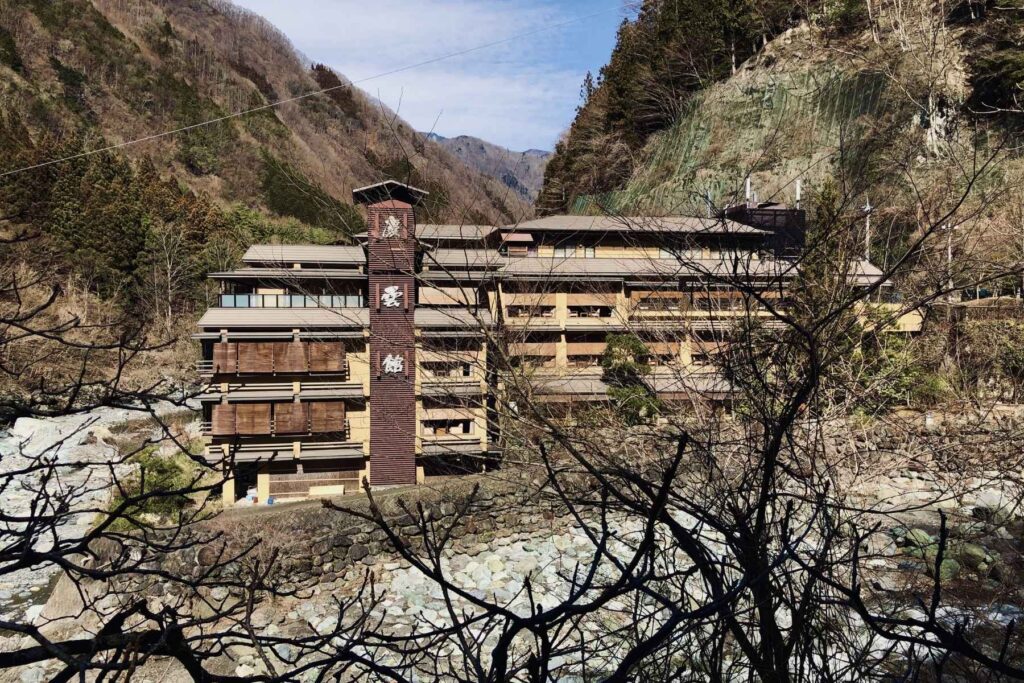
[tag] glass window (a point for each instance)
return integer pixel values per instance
(589, 252)
(565, 250)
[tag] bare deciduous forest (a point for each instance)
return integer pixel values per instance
(850, 511)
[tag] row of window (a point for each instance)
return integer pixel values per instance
(442, 370)
(292, 301)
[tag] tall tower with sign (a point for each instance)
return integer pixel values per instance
(391, 247)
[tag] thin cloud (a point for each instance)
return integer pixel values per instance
(519, 94)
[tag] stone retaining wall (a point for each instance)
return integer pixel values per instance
(316, 544)
(947, 440)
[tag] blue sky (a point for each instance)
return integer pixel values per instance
(521, 94)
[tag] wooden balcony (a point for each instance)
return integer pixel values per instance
(450, 386)
(275, 358)
(278, 419)
(273, 431)
(276, 392)
(451, 444)
(283, 451)
(205, 369)
(532, 349)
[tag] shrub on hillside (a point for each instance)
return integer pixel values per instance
(162, 482)
(9, 56)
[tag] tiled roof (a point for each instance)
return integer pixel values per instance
(667, 224)
(289, 274)
(468, 233)
(463, 259)
(453, 317)
(220, 318)
(482, 260)
(304, 253)
(624, 267)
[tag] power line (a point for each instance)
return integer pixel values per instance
(272, 105)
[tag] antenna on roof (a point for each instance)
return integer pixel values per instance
(867, 228)
(799, 191)
(747, 195)
(707, 201)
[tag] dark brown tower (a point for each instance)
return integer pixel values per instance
(392, 298)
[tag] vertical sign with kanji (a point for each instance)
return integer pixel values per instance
(392, 250)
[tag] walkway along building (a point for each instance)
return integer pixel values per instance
(327, 364)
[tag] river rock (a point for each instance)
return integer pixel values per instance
(919, 538)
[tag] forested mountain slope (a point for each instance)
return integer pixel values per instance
(114, 247)
(894, 102)
(78, 75)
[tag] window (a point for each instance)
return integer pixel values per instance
(448, 427)
(531, 311)
(589, 252)
(565, 250)
(589, 312)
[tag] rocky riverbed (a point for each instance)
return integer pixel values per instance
(83, 448)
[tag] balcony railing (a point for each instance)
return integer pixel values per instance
(205, 369)
(207, 430)
(451, 386)
(444, 444)
(292, 301)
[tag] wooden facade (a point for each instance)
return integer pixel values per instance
(333, 396)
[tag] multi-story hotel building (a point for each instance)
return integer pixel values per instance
(328, 364)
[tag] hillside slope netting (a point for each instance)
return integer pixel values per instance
(780, 126)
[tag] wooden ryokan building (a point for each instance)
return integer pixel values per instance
(327, 364)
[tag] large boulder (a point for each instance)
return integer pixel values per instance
(919, 538)
(948, 570)
(971, 555)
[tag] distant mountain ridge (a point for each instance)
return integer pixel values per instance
(522, 172)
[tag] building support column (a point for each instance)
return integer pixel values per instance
(263, 483)
(227, 489)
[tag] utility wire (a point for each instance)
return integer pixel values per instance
(272, 105)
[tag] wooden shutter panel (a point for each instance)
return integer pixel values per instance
(256, 357)
(253, 419)
(290, 357)
(291, 418)
(225, 357)
(327, 416)
(224, 420)
(326, 356)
